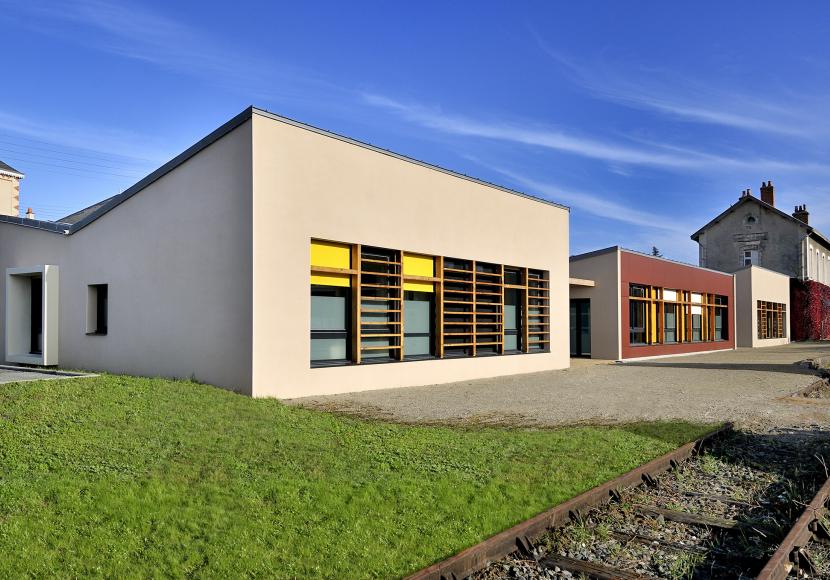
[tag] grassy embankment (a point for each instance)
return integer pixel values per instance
(126, 477)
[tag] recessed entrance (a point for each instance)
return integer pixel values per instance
(581, 327)
(32, 315)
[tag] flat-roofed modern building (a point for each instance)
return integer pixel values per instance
(277, 259)
(642, 306)
(762, 308)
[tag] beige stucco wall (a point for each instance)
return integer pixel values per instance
(309, 185)
(9, 195)
(603, 269)
(753, 284)
(177, 258)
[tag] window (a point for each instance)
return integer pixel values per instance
(329, 324)
(419, 317)
(670, 323)
(772, 320)
(638, 314)
(668, 316)
(97, 309)
(330, 303)
(721, 320)
(376, 305)
(512, 319)
(697, 324)
(750, 258)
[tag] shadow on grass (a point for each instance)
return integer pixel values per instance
(676, 433)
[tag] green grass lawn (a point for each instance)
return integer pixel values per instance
(132, 477)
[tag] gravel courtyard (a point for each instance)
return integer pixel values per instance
(747, 386)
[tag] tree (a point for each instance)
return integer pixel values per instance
(655, 251)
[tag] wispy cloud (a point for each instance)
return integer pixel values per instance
(126, 146)
(604, 207)
(137, 32)
(534, 134)
(682, 97)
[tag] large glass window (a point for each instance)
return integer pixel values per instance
(670, 323)
(419, 316)
(721, 320)
(697, 324)
(638, 314)
(329, 324)
(512, 320)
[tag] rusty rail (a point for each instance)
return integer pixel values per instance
(792, 550)
(519, 537)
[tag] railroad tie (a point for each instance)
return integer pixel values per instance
(688, 518)
(591, 569)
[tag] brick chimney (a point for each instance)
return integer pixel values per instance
(767, 193)
(746, 193)
(9, 190)
(802, 214)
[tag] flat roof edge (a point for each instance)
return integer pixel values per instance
(400, 156)
(47, 226)
(591, 254)
(677, 262)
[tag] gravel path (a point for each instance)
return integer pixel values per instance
(747, 386)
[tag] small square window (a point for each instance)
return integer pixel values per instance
(97, 297)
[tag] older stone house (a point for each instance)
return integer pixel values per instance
(753, 232)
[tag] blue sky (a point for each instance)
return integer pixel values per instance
(646, 118)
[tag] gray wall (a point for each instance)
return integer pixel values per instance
(777, 240)
(177, 258)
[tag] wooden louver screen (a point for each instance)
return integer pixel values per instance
(469, 301)
(772, 320)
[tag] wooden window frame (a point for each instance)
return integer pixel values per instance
(469, 305)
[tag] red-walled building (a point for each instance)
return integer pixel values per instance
(628, 305)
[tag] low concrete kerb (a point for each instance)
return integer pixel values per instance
(45, 371)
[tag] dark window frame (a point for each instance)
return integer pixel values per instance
(335, 334)
(101, 326)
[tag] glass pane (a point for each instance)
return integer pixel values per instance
(328, 312)
(511, 342)
(511, 309)
(328, 349)
(417, 345)
(417, 314)
(671, 324)
(637, 322)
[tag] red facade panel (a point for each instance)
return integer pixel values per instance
(646, 270)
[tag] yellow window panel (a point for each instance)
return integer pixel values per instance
(331, 254)
(332, 280)
(419, 286)
(418, 265)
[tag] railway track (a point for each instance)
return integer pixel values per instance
(753, 504)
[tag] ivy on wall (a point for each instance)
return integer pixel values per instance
(810, 310)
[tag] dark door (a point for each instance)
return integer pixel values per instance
(36, 316)
(581, 327)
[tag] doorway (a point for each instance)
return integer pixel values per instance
(581, 327)
(36, 315)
